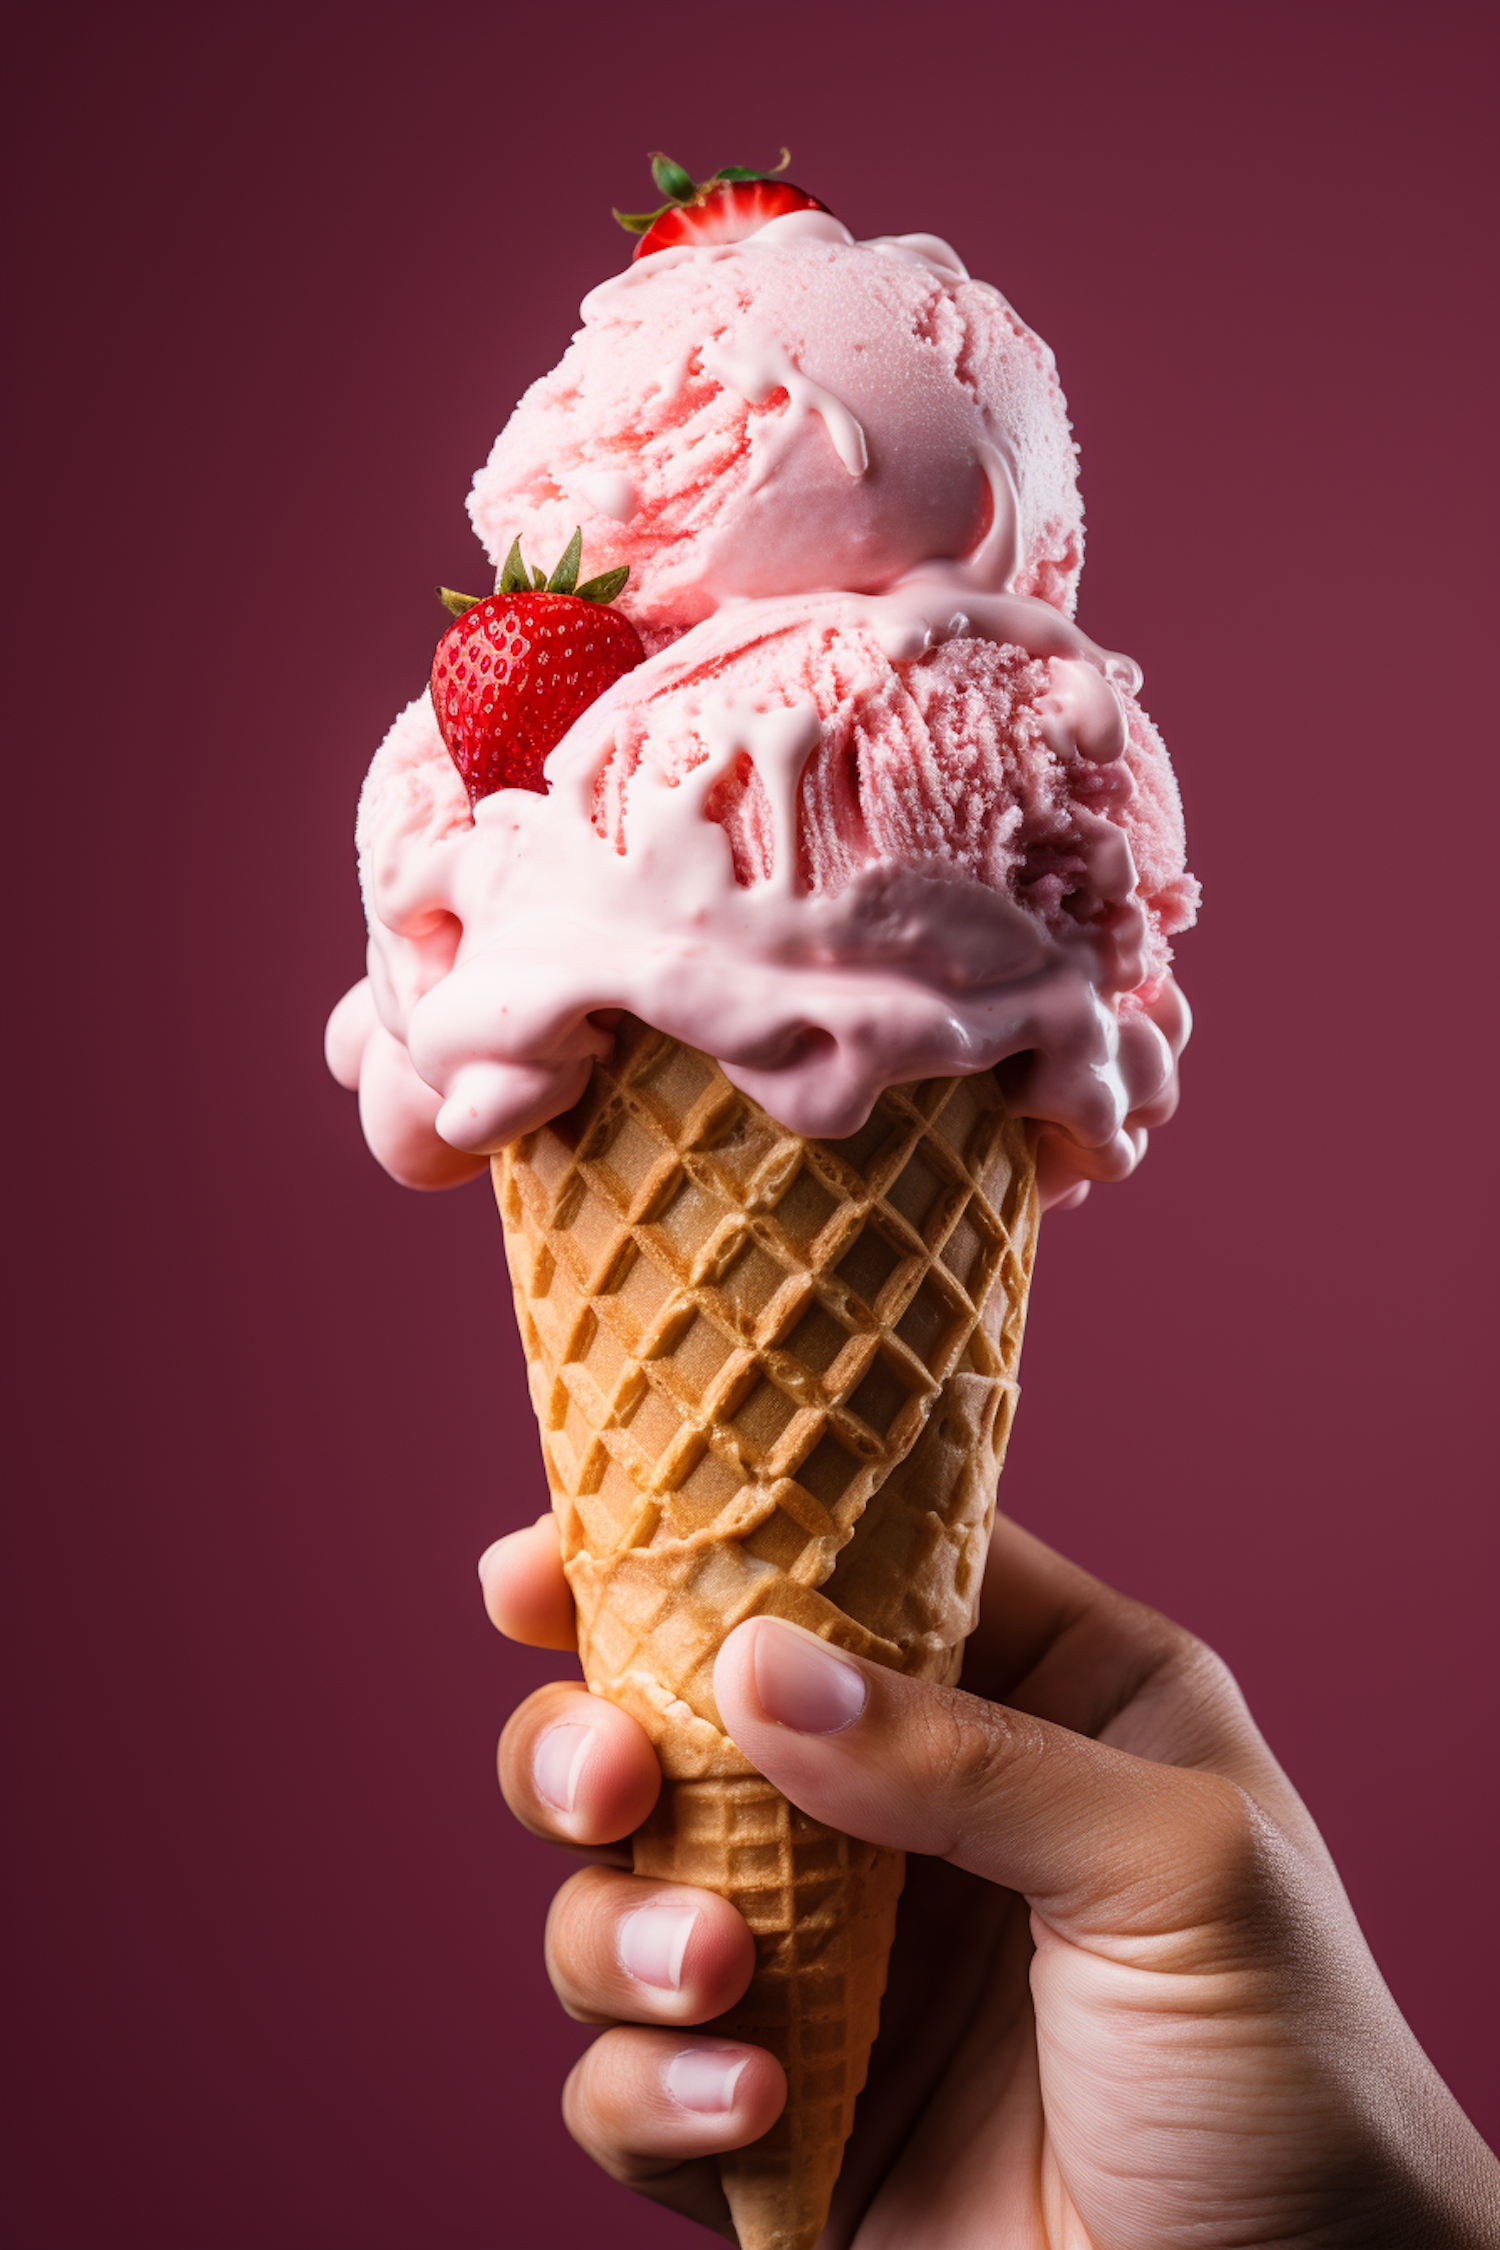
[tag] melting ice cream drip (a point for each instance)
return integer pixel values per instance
(778, 743)
(1081, 714)
(665, 817)
(993, 565)
(757, 366)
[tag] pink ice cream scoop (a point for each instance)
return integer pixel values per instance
(796, 411)
(873, 809)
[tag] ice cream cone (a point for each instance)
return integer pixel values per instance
(774, 1376)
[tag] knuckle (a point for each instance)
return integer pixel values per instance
(1189, 1678)
(1203, 1673)
(1163, 1644)
(971, 1745)
(1242, 1846)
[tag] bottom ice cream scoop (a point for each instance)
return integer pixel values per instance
(838, 844)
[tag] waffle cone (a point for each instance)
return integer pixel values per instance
(774, 1376)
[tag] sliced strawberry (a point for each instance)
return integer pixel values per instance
(735, 203)
(727, 211)
(511, 676)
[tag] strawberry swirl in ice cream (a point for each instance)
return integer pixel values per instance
(872, 810)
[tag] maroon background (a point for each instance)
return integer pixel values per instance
(278, 1943)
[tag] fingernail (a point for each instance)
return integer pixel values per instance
(703, 2078)
(493, 1548)
(653, 1941)
(802, 1683)
(557, 1763)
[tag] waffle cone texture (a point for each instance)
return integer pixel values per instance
(774, 1377)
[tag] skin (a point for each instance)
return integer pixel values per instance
(1129, 2006)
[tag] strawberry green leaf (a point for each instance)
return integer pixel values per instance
(640, 222)
(565, 577)
(514, 578)
(538, 581)
(605, 587)
(672, 180)
(457, 604)
(744, 172)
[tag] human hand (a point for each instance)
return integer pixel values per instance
(1129, 2005)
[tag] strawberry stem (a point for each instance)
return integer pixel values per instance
(516, 578)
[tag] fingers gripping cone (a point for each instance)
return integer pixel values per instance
(774, 1377)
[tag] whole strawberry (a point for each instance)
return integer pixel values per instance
(732, 204)
(511, 676)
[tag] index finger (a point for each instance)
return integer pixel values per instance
(525, 1593)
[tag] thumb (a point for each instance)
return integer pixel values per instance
(1099, 1841)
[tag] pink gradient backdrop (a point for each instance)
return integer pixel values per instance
(279, 1973)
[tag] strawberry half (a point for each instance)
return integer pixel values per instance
(511, 676)
(735, 203)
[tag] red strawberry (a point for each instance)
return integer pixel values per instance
(511, 676)
(734, 203)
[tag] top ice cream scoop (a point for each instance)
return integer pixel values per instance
(792, 412)
(872, 809)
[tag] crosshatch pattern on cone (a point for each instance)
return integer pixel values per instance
(773, 1376)
(823, 1911)
(736, 1337)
